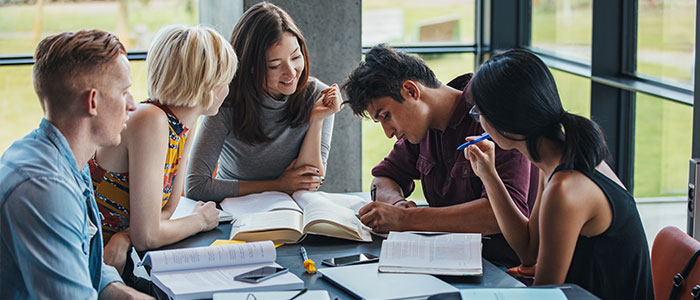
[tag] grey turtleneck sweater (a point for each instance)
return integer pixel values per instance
(239, 161)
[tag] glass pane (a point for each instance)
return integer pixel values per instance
(22, 26)
(397, 22)
(563, 27)
(666, 40)
(375, 144)
(20, 108)
(662, 146)
(574, 92)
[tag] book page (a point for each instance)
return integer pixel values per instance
(261, 202)
(202, 284)
(303, 198)
(185, 206)
(214, 256)
(333, 220)
(432, 252)
(268, 220)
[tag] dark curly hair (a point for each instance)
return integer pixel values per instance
(381, 75)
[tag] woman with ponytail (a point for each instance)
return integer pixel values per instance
(584, 227)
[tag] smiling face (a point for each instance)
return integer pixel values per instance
(285, 64)
(114, 102)
(407, 120)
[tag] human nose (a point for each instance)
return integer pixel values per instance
(388, 130)
(289, 69)
(130, 104)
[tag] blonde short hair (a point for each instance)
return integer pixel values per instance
(185, 64)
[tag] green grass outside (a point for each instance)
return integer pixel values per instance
(663, 140)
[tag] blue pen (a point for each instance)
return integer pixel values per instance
(472, 142)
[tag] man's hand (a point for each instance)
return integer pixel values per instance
(302, 178)
(117, 290)
(382, 217)
(114, 253)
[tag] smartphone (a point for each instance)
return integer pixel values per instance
(261, 274)
(351, 260)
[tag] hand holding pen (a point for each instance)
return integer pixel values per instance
(481, 155)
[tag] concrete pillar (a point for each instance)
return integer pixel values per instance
(222, 15)
(332, 30)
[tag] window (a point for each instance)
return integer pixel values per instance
(574, 92)
(666, 40)
(563, 27)
(662, 147)
(401, 22)
(22, 26)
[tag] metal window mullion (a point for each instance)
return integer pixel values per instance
(613, 47)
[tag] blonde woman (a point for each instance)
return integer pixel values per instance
(138, 183)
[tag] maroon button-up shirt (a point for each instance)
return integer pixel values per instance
(447, 177)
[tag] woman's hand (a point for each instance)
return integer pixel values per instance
(209, 214)
(481, 157)
(302, 178)
(330, 102)
(114, 253)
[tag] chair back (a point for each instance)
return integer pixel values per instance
(670, 254)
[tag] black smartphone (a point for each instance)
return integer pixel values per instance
(351, 260)
(261, 274)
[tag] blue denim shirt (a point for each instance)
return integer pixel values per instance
(45, 202)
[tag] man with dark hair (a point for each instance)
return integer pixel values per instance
(51, 245)
(430, 120)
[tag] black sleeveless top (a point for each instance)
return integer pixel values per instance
(614, 264)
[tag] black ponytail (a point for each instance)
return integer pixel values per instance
(584, 144)
(516, 93)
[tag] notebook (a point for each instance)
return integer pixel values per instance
(456, 254)
(366, 282)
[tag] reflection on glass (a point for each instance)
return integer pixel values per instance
(662, 146)
(22, 26)
(666, 40)
(574, 92)
(375, 144)
(399, 21)
(20, 111)
(563, 27)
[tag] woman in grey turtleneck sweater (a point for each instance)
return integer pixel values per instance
(273, 132)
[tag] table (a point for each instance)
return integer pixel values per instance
(321, 247)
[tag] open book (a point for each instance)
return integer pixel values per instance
(283, 219)
(434, 253)
(195, 273)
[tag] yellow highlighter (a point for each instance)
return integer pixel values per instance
(309, 265)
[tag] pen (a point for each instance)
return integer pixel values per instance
(309, 265)
(472, 142)
(373, 193)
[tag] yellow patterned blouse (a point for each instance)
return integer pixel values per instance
(112, 189)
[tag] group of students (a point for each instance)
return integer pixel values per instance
(102, 175)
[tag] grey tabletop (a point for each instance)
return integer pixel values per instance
(321, 247)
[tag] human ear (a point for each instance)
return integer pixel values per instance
(410, 89)
(91, 102)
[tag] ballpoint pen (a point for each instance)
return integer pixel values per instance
(309, 265)
(472, 142)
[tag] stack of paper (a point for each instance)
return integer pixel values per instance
(456, 254)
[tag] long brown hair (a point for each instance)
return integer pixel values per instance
(261, 27)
